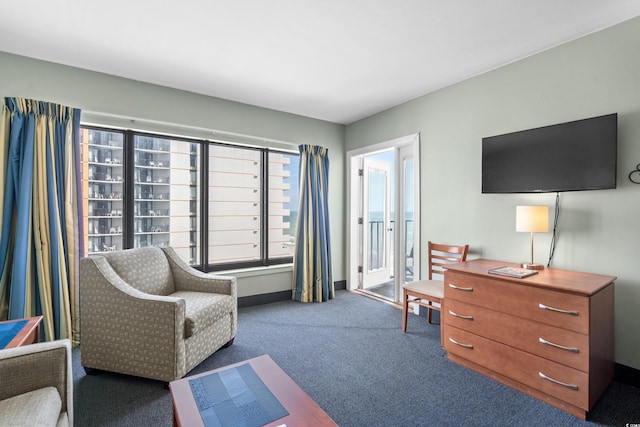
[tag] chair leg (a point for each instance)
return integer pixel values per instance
(405, 311)
(429, 315)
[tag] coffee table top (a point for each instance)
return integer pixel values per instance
(303, 411)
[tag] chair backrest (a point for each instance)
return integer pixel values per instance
(440, 255)
(146, 269)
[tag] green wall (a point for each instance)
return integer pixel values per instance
(598, 231)
(115, 101)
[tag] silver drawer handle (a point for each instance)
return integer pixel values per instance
(460, 344)
(552, 344)
(546, 307)
(460, 315)
(571, 386)
(452, 286)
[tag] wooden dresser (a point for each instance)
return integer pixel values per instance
(549, 335)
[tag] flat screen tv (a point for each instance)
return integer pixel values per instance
(572, 156)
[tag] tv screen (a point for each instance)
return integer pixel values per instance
(572, 156)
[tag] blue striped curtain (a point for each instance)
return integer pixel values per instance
(39, 226)
(313, 280)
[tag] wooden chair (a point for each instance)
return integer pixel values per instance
(429, 292)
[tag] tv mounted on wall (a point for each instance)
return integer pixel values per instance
(572, 156)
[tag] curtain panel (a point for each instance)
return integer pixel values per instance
(39, 225)
(313, 280)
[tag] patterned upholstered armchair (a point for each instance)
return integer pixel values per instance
(145, 312)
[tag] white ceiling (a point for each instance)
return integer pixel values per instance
(336, 60)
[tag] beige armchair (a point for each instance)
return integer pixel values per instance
(145, 312)
(36, 385)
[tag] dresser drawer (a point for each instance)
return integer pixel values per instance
(515, 297)
(560, 345)
(557, 380)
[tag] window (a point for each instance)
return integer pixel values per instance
(283, 203)
(103, 186)
(147, 190)
(235, 204)
(165, 201)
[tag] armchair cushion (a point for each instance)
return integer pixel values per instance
(35, 408)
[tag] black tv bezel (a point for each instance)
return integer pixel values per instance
(612, 184)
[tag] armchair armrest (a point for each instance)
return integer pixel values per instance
(35, 366)
(187, 278)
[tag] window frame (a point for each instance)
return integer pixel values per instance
(128, 218)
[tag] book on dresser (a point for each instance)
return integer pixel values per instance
(550, 336)
(520, 273)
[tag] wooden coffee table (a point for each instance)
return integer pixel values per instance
(29, 334)
(303, 411)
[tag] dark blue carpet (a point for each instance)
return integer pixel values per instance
(351, 357)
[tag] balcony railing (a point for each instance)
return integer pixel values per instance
(376, 243)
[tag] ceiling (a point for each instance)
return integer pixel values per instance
(335, 60)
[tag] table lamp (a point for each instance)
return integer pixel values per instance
(532, 219)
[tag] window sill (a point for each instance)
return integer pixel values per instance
(255, 271)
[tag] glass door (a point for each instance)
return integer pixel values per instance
(377, 241)
(405, 226)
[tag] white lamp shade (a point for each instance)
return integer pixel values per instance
(532, 219)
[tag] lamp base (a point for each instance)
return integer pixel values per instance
(532, 266)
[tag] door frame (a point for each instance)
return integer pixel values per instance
(354, 230)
